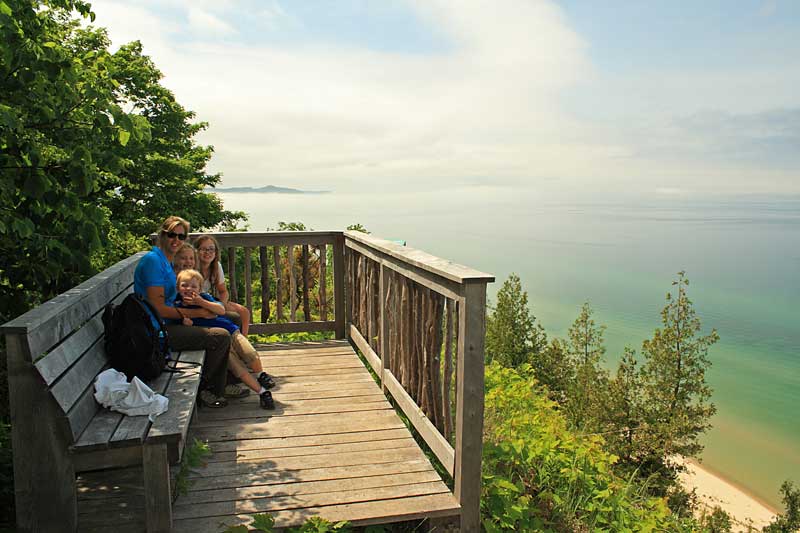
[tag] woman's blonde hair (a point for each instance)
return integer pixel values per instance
(169, 224)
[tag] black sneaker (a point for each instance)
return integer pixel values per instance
(265, 380)
(265, 398)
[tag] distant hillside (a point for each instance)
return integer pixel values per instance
(265, 189)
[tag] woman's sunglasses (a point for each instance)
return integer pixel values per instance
(172, 235)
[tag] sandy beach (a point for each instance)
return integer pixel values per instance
(713, 490)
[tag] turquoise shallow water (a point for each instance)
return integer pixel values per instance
(741, 256)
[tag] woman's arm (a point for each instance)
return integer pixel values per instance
(155, 295)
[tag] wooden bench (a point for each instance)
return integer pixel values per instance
(55, 351)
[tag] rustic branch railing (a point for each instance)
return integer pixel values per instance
(418, 319)
(298, 266)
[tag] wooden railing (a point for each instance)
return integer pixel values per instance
(420, 321)
(292, 272)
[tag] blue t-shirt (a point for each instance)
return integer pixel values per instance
(220, 321)
(154, 270)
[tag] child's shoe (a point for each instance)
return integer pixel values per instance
(265, 398)
(265, 380)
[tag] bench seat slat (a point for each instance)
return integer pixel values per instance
(112, 429)
(99, 431)
(133, 429)
(172, 426)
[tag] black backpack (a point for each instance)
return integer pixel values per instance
(135, 338)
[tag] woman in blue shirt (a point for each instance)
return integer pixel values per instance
(154, 279)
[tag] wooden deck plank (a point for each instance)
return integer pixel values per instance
(267, 451)
(272, 477)
(293, 464)
(303, 425)
(358, 514)
(311, 487)
(252, 410)
(299, 501)
(312, 440)
(319, 362)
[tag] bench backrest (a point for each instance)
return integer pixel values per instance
(63, 340)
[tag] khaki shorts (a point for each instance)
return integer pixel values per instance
(241, 355)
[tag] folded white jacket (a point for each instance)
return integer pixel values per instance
(112, 390)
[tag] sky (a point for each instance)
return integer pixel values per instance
(629, 96)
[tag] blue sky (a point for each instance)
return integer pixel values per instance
(691, 98)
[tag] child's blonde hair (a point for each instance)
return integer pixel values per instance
(189, 274)
(187, 246)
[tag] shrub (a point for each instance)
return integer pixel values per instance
(537, 475)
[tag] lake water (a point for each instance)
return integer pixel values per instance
(742, 258)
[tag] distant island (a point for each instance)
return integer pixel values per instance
(265, 189)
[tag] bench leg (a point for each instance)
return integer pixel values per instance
(157, 494)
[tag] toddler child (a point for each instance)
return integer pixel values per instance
(242, 353)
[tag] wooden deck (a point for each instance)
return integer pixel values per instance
(333, 447)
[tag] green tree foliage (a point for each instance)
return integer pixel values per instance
(587, 390)
(58, 116)
(539, 476)
(718, 521)
(164, 171)
(94, 153)
(623, 416)
(513, 336)
(677, 407)
(789, 520)
(82, 178)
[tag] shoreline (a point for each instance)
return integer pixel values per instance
(713, 489)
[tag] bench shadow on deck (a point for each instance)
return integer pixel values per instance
(333, 447)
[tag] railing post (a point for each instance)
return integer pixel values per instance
(384, 323)
(338, 284)
(469, 404)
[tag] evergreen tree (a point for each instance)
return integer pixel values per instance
(789, 520)
(513, 336)
(588, 388)
(553, 369)
(677, 405)
(623, 416)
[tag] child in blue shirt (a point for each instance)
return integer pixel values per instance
(242, 354)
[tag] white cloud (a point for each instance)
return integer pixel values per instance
(203, 22)
(490, 106)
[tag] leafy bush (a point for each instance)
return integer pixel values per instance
(537, 475)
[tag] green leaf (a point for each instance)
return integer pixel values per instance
(49, 44)
(23, 226)
(263, 522)
(4, 9)
(124, 137)
(35, 186)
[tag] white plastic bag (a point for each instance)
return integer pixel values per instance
(112, 390)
